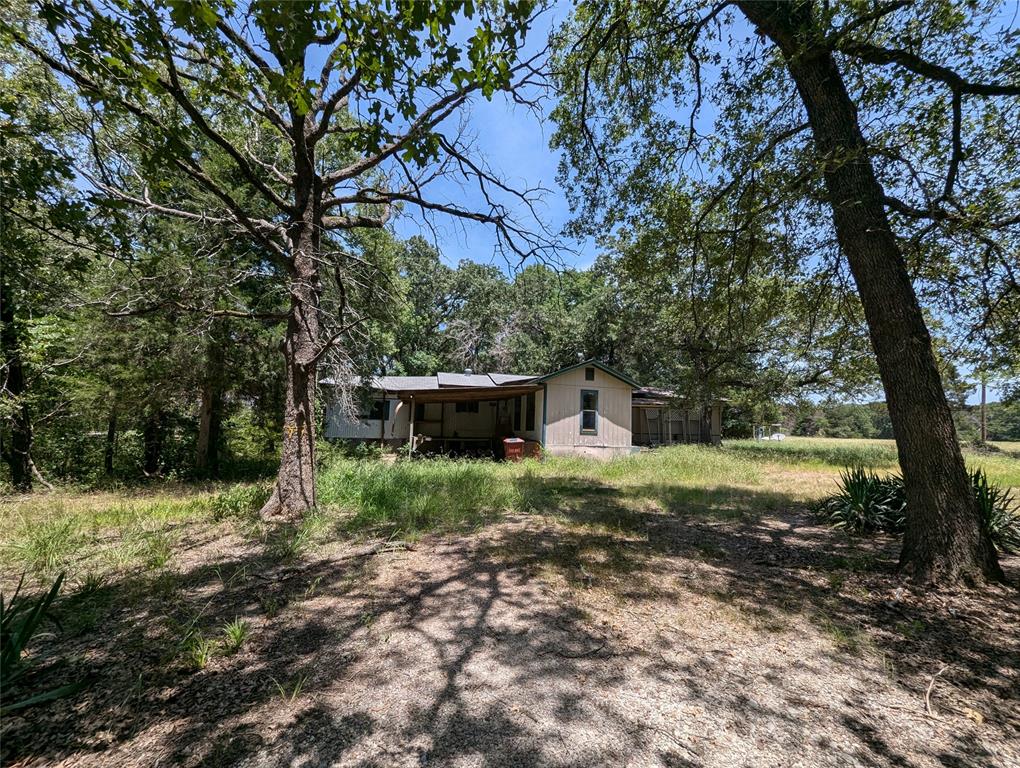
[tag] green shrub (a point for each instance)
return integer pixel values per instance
(328, 452)
(235, 633)
(239, 501)
(866, 503)
(199, 650)
(20, 618)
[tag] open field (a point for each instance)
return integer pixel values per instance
(679, 607)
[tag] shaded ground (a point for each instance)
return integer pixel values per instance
(583, 634)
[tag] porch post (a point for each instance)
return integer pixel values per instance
(410, 442)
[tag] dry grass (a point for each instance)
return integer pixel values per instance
(673, 608)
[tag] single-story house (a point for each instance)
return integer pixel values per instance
(587, 409)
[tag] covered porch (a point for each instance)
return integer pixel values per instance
(468, 421)
(659, 419)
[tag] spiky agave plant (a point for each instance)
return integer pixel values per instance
(865, 502)
(999, 512)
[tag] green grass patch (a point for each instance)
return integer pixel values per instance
(408, 498)
(818, 451)
(104, 531)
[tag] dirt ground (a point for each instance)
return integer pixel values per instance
(547, 642)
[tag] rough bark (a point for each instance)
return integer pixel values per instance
(111, 443)
(18, 451)
(294, 492)
(945, 541)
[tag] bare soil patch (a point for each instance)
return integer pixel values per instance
(657, 639)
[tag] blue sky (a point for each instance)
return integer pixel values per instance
(514, 141)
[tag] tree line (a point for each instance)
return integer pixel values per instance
(871, 420)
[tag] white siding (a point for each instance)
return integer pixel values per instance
(339, 427)
(563, 420)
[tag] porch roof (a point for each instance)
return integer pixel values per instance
(466, 394)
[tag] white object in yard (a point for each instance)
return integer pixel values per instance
(777, 436)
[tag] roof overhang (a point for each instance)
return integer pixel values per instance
(659, 402)
(592, 364)
(465, 394)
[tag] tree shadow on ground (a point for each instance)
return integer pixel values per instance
(462, 652)
(765, 555)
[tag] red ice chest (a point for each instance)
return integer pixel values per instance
(513, 448)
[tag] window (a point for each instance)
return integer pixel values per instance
(529, 412)
(379, 409)
(471, 407)
(589, 412)
(517, 414)
(419, 411)
(589, 374)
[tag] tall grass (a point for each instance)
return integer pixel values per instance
(96, 533)
(409, 497)
(80, 533)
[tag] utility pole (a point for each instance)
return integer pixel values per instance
(984, 414)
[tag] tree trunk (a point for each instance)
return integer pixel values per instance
(705, 427)
(945, 541)
(294, 492)
(152, 443)
(111, 443)
(18, 454)
(207, 454)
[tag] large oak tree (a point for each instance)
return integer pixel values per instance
(878, 129)
(324, 118)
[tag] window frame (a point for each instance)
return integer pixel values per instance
(589, 373)
(594, 430)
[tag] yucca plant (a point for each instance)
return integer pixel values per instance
(20, 619)
(999, 513)
(865, 502)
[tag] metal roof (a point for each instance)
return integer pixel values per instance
(446, 380)
(398, 383)
(464, 380)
